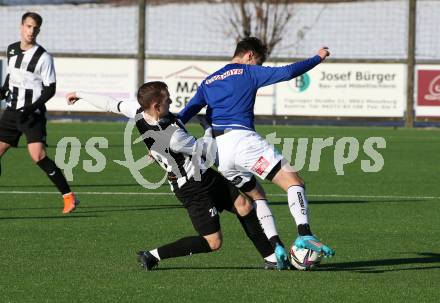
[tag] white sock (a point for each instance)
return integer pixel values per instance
(272, 258)
(298, 204)
(266, 218)
(155, 254)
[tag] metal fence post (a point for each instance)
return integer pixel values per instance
(411, 63)
(141, 43)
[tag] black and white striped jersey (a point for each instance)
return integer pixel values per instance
(174, 149)
(28, 72)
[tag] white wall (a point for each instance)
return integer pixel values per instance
(359, 30)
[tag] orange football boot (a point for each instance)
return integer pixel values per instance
(70, 203)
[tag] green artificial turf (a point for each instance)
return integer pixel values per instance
(384, 226)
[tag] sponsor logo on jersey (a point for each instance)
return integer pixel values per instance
(231, 72)
(260, 166)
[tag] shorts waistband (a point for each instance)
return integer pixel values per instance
(218, 132)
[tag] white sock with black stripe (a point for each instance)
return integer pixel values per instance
(298, 204)
(266, 219)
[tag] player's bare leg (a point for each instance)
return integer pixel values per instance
(37, 151)
(3, 148)
(289, 180)
(214, 240)
(38, 154)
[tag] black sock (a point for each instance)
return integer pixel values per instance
(54, 174)
(255, 233)
(304, 230)
(184, 247)
(276, 240)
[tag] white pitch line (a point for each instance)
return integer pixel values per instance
(170, 194)
(89, 193)
(374, 197)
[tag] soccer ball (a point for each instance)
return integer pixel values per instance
(303, 258)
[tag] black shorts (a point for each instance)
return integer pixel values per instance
(204, 200)
(11, 127)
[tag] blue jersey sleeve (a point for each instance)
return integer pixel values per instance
(193, 107)
(265, 75)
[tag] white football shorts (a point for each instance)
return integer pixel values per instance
(243, 153)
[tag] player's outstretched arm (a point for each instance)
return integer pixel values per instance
(193, 107)
(105, 103)
(265, 75)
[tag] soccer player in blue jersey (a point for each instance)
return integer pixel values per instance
(229, 95)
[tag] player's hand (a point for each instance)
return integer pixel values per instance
(71, 98)
(323, 53)
(26, 113)
(203, 122)
(150, 156)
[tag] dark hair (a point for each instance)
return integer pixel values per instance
(251, 44)
(150, 92)
(37, 18)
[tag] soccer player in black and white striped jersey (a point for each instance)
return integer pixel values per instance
(175, 150)
(30, 83)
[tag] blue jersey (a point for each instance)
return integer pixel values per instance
(230, 92)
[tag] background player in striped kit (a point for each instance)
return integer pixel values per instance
(29, 84)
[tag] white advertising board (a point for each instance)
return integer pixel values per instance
(112, 77)
(184, 77)
(330, 89)
(345, 90)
